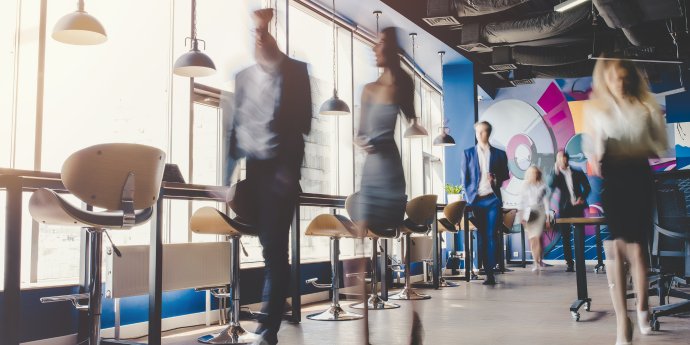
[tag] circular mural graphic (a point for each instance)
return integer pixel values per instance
(520, 130)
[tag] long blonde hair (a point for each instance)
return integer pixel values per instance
(635, 86)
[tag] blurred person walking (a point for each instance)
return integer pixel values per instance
(272, 114)
(625, 128)
(534, 213)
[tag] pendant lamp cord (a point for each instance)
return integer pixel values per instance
(414, 74)
(443, 114)
(193, 21)
(335, 59)
(80, 5)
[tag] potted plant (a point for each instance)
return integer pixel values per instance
(453, 192)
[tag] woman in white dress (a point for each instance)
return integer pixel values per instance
(534, 212)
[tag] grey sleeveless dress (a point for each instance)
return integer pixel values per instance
(382, 194)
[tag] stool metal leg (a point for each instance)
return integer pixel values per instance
(95, 261)
(375, 302)
(335, 312)
(234, 333)
(408, 293)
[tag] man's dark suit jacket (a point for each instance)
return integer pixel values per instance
(581, 188)
(292, 118)
(498, 165)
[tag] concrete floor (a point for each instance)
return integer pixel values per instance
(524, 308)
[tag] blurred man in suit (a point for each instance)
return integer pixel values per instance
(272, 114)
(574, 189)
(484, 169)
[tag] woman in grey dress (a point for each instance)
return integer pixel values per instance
(382, 198)
(382, 193)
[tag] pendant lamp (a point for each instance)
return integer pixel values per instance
(444, 138)
(194, 63)
(79, 28)
(415, 130)
(334, 105)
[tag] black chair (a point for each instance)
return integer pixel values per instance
(670, 254)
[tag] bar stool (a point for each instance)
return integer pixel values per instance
(421, 212)
(123, 179)
(472, 230)
(453, 214)
(508, 221)
(374, 302)
(336, 227)
(208, 220)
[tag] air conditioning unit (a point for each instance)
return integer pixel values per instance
(521, 76)
(501, 59)
(441, 21)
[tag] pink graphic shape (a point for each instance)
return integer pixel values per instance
(558, 115)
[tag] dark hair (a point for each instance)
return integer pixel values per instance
(485, 123)
(404, 85)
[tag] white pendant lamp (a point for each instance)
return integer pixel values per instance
(415, 130)
(79, 28)
(334, 105)
(194, 63)
(444, 138)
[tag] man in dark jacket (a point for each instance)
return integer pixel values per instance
(574, 189)
(271, 115)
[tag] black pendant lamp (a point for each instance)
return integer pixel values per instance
(444, 138)
(334, 105)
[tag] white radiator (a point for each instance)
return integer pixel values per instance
(185, 266)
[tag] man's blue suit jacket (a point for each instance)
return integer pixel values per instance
(498, 165)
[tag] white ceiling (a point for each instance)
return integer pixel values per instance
(360, 12)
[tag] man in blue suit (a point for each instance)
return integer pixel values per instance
(484, 169)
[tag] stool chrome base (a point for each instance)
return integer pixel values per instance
(408, 294)
(233, 334)
(445, 283)
(375, 303)
(334, 313)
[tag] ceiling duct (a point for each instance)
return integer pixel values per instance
(551, 55)
(575, 70)
(473, 8)
(631, 15)
(539, 27)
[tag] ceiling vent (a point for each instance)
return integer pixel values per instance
(503, 67)
(518, 82)
(441, 21)
(475, 48)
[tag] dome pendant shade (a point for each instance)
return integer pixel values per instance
(415, 131)
(79, 28)
(334, 106)
(444, 139)
(194, 63)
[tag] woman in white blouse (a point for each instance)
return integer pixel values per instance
(625, 127)
(534, 212)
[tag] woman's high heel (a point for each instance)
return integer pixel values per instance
(643, 322)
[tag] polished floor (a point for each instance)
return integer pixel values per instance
(524, 308)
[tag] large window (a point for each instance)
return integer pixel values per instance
(123, 91)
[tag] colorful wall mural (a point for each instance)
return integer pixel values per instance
(532, 122)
